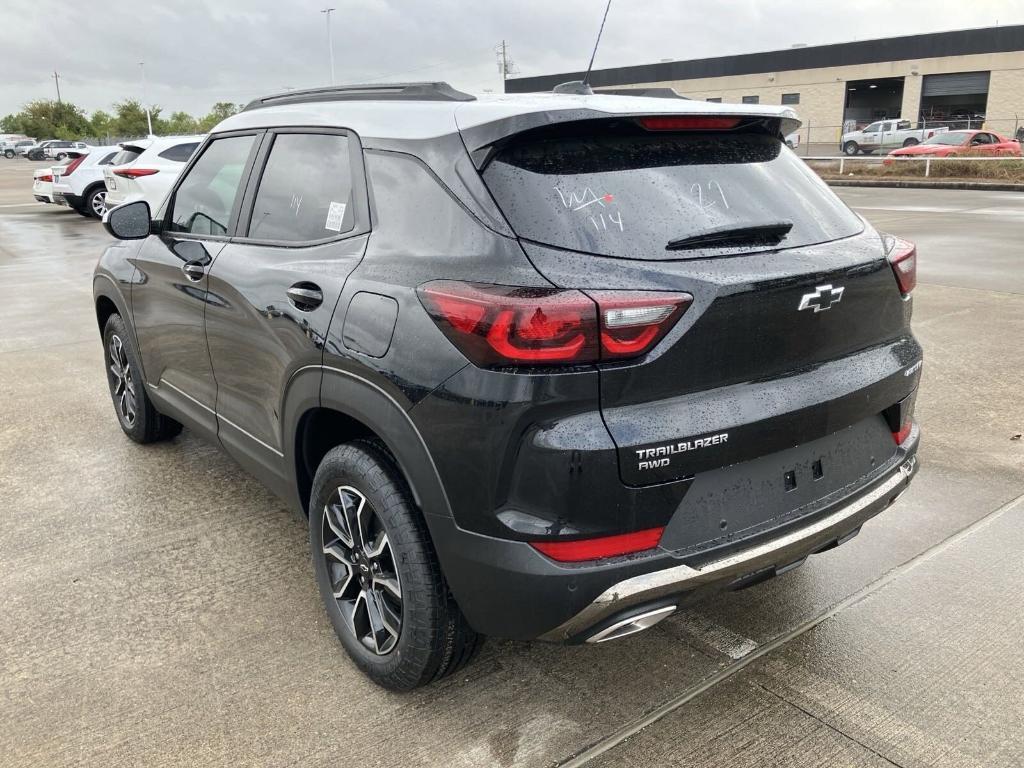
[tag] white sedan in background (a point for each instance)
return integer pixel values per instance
(42, 185)
(146, 169)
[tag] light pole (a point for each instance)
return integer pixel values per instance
(330, 43)
(149, 119)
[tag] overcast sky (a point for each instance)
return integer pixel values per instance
(198, 52)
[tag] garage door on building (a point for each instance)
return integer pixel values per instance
(956, 100)
(956, 84)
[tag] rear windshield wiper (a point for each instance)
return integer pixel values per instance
(760, 234)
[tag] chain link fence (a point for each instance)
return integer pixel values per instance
(813, 140)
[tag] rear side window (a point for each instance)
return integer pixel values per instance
(108, 160)
(206, 196)
(180, 153)
(305, 191)
(125, 156)
(629, 194)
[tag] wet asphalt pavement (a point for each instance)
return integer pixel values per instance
(158, 606)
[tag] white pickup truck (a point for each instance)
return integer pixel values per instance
(886, 134)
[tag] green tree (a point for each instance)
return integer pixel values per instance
(102, 123)
(181, 123)
(130, 119)
(220, 111)
(45, 118)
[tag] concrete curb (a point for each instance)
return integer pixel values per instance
(990, 186)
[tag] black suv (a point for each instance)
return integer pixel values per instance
(540, 366)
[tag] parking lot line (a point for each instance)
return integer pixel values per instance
(631, 729)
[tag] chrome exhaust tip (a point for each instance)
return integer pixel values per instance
(632, 625)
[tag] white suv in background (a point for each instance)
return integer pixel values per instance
(146, 169)
(79, 185)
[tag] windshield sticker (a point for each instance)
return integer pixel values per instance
(335, 215)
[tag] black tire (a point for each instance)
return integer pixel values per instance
(420, 635)
(92, 204)
(135, 412)
(851, 148)
(8, 153)
(60, 156)
(911, 142)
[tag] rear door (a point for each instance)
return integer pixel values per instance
(170, 294)
(787, 340)
(276, 285)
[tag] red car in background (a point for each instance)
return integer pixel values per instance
(960, 143)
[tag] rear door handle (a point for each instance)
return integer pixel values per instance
(305, 296)
(194, 270)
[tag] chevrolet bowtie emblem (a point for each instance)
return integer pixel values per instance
(824, 297)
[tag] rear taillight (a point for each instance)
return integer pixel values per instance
(46, 177)
(903, 259)
(689, 123)
(604, 546)
(900, 418)
(70, 167)
(498, 325)
(134, 173)
(632, 322)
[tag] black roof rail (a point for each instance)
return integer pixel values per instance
(427, 91)
(654, 93)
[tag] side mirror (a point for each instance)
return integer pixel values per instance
(131, 221)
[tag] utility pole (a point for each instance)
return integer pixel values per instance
(56, 79)
(149, 119)
(330, 42)
(505, 65)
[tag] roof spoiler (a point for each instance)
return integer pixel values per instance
(485, 139)
(426, 91)
(651, 93)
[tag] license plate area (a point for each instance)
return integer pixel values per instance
(726, 505)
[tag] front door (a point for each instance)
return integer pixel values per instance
(170, 292)
(302, 231)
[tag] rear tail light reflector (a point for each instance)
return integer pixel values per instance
(498, 325)
(904, 432)
(134, 173)
(70, 167)
(689, 123)
(903, 259)
(46, 177)
(604, 546)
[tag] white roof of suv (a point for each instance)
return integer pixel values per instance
(423, 119)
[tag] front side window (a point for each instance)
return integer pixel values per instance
(305, 191)
(873, 128)
(206, 196)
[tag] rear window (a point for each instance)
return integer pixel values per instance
(180, 153)
(125, 156)
(629, 194)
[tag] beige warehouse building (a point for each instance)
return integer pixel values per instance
(963, 78)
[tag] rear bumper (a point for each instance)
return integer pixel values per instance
(508, 589)
(746, 567)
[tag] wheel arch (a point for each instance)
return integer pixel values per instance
(352, 407)
(108, 301)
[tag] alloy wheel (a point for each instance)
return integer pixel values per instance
(97, 201)
(121, 383)
(362, 571)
